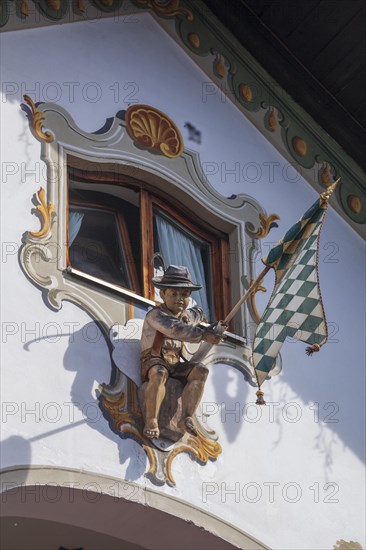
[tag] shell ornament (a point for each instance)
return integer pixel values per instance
(152, 129)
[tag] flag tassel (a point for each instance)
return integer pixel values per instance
(311, 349)
(260, 398)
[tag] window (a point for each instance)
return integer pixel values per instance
(116, 227)
(99, 245)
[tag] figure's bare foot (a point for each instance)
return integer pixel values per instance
(151, 429)
(187, 425)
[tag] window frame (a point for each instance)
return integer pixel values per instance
(148, 199)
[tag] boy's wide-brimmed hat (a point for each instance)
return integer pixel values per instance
(175, 277)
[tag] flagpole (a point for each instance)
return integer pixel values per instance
(244, 298)
(206, 346)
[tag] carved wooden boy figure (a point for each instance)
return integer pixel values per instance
(165, 330)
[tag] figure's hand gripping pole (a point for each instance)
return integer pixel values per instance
(206, 346)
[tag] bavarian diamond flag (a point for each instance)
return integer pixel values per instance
(295, 309)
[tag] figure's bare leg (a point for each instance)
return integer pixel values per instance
(191, 397)
(154, 395)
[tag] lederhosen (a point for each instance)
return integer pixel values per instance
(160, 355)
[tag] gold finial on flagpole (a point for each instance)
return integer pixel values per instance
(328, 193)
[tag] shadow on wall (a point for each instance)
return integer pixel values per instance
(87, 355)
(320, 390)
(231, 392)
(308, 381)
(15, 450)
(331, 385)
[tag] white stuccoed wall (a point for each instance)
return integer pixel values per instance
(292, 450)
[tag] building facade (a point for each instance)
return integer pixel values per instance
(135, 128)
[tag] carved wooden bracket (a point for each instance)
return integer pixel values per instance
(126, 418)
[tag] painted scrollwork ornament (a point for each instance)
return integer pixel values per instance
(46, 212)
(37, 121)
(36, 250)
